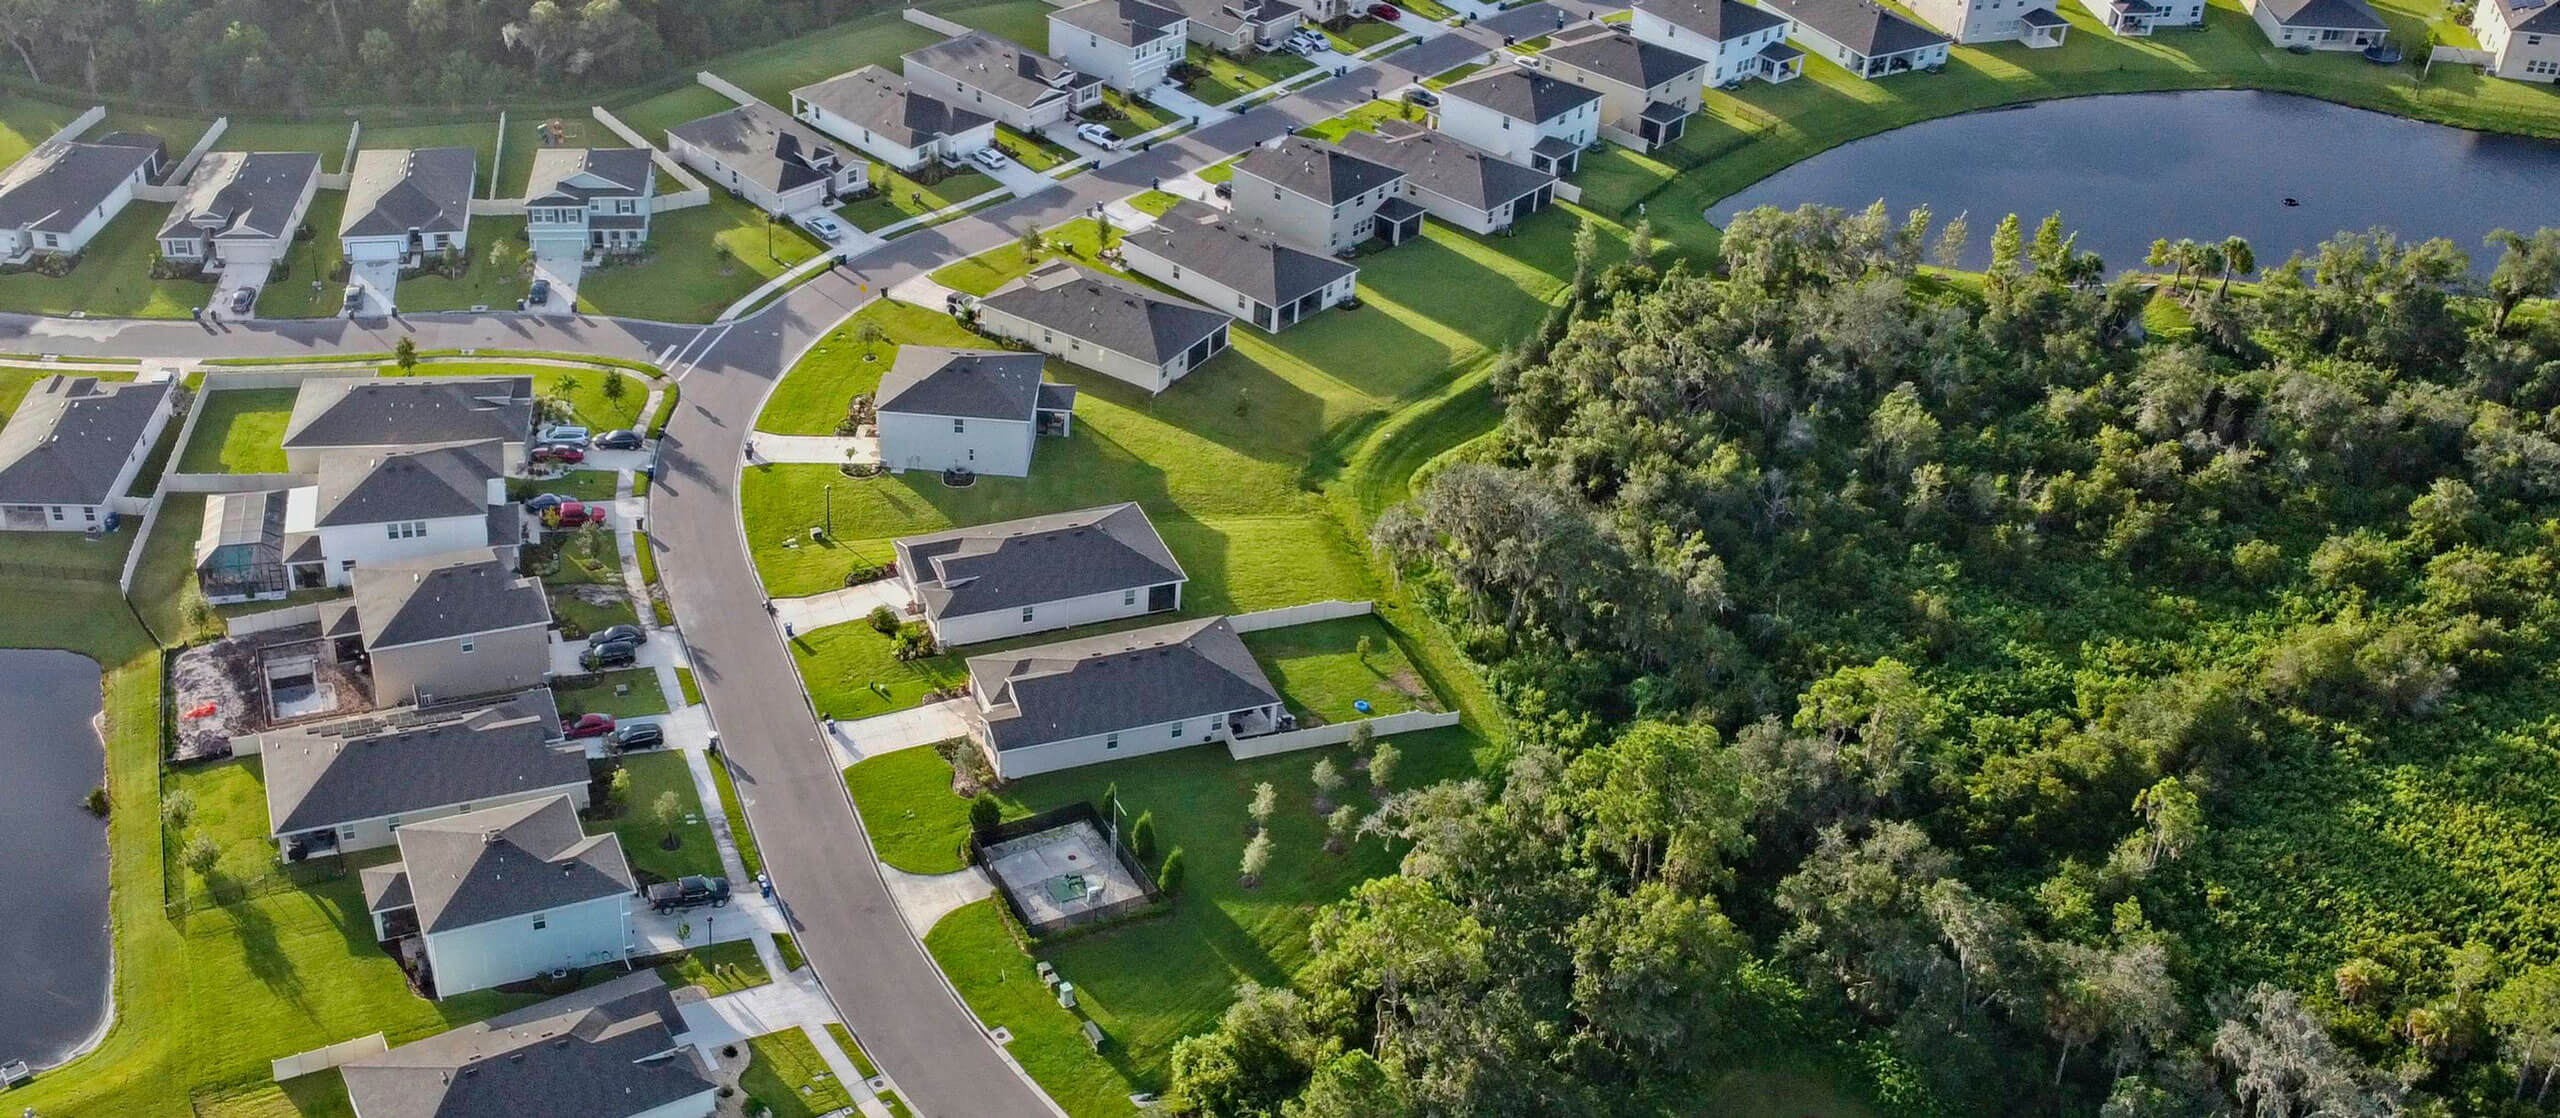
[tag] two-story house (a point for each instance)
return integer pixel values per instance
(1127, 694)
(890, 120)
(240, 209)
(993, 581)
(1317, 194)
(363, 508)
(1737, 40)
(1647, 91)
(1863, 37)
(1238, 26)
(1453, 180)
(1130, 44)
(1223, 262)
(73, 446)
(2139, 18)
(443, 627)
(408, 205)
(502, 894)
(968, 409)
(1025, 89)
(2032, 22)
(1109, 325)
(779, 164)
(1535, 119)
(387, 414)
(590, 202)
(58, 197)
(351, 784)
(2344, 25)
(2522, 38)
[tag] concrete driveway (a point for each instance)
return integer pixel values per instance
(836, 607)
(1017, 178)
(563, 270)
(377, 287)
(1172, 99)
(903, 729)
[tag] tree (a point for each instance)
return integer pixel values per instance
(1338, 827)
(201, 854)
(2172, 817)
(1169, 876)
(984, 812)
(1658, 974)
(1142, 837)
(2528, 268)
(1953, 238)
(1363, 737)
(2282, 1062)
(1382, 766)
(1266, 799)
(405, 354)
(1662, 799)
(176, 808)
(1257, 858)
(2525, 1012)
(2236, 256)
(1327, 778)
(617, 789)
(1350, 1085)
(615, 384)
(667, 810)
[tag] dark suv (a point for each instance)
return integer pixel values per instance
(692, 891)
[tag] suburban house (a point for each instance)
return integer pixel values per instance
(2140, 17)
(2522, 38)
(1205, 253)
(590, 201)
(1130, 44)
(63, 192)
(1647, 91)
(1324, 11)
(1522, 115)
(1079, 702)
(1318, 194)
(1737, 40)
(351, 784)
(502, 894)
(2319, 24)
(1863, 37)
(405, 205)
(1111, 326)
(968, 409)
(1025, 89)
(1453, 180)
(240, 208)
(1238, 26)
(366, 508)
(1039, 573)
(73, 447)
(769, 159)
(444, 628)
(2032, 22)
(882, 114)
(405, 413)
(618, 1049)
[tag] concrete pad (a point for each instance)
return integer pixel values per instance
(1017, 178)
(1171, 98)
(377, 285)
(841, 607)
(563, 269)
(824, 450)
(925, 899)
(904, 729)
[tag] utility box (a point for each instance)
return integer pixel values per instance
(1067, 995)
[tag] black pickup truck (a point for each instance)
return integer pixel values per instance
(692, 891)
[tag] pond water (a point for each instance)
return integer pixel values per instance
(54, 962)
(2123, 169)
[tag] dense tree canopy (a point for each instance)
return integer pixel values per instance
(2026, 693)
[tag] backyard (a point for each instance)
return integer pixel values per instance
(644, 836)
(239, 431)
(113, 277)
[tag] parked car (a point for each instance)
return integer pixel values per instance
(1385, 12)
(540, 294)
(689, 891)
(563, 453)
(618, 439)
(823, 226)
(543, 502)
(591, 725)
(561, 433)
(639, 735)
(611, 654)
(243, 299)
(958, 301)
(1305, 42)
(631, 633)
(988, 158)
(1098, 136)
(1225, 190)
(1422, 97)
(573, 514)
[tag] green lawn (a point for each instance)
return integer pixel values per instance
(303, 289)
(1319, 670)
(853, 1050)
(113, 279)
(692, 690)
(241, 431)
(1140, 116)
(229, 806)
(1025, 22)
(576, 485)
(164, 585)
(1230, 78)
(578, 617)
(814, 394)
(721, 968)
(1364, 118)
(874, 38)
(1452, 75)
(914, 821)
(703, 259)
(320, 1094)
(851, 672)
(1154, 202)
(643, 837)
(785, 1072)
(899, 197)
(1034, 152)
(47, 554)
(583, 390)
(626, 693)
(748, 855)
(1361, 35)
(588, 556)
(498, 270)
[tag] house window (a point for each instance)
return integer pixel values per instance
(1129, 597)
(1111, 741)
(959, 425)
(50, 240)
(1177, 729)
(1026, 613)
(393, 822)
(469, 647)
(541, 922)
(57, 512)
(90, 512)
(347, 834)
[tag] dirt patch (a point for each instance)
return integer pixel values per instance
(216, 693)
(594, 594)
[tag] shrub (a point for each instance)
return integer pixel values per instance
(1142, 836)
(176, 808)
(984, 812)
(914, 642)
(97, 801)
(202, 854)
(1169, 878)
(883, 621)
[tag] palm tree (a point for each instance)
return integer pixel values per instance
(2236, 257)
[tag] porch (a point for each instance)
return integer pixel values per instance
(2131, 18)
(1778, 62)
(2042, 27)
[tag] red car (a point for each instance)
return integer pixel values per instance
(1386, 12)
(573, 514)
(566, 455)
(586, 726)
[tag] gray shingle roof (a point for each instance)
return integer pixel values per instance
(883, 102)
(70, 437)
(1206, 240)
(365, 487)
(1620, 57)
(1120, 681)
(2538, 16)
(1127, 22)
(1037, 559)
(444, 597)
(1861, 25)
(408, 760)
(237, 195)
(1118, 316)
(973, 383)
(1228, 17)
(762, 144)
(1007, 72)
(605, 1052)
(624, 171)
(507, 861)
(394, 190)
(1448, 166)
(1519, 93)
(1326, 172)
(1720, 20)
(58, 185)
(409, 411)
(2351, 15)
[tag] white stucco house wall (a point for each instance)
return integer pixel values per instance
(2325, 25)
(407, 206)
(1737, 40)
(1530, 118)
(62, 193)
(502, 894)
(891, 120)
(74, 447)
(1319, 195)
(1234, 266)
(1130, 44)
(2522, 38)
(241, 207)
(1127, 694)
(968, 409)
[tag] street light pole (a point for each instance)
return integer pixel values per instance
(831, 509)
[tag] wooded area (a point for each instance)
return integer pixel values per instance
(2017, 694)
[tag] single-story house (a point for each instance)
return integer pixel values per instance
(1534, 119)
(780, 164)
(1318, 194)
(2319, 24)
(1647, 91)
(2136, 18)
(73, 447)
(1238, 26)
(1094, 699)
(1039, 573)
(1208, 255)
(1865, 38)
(890, 120)
(590, 201)
(241, 207)
(619, 1049)
(408, 205)
(2032, 22)
(63, 192)
(352, 784)
(1454, 180)
(365, 508)
(505, 893)
(2522, 38)
(1024, 88)
(968, 409)
(406, 413)
(435, 630)
(1130, 44)
(1737, 40)
(1111, 326)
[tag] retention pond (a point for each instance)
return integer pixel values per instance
(55, 962)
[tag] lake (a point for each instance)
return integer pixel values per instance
(54, 963)
(2126, 168)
